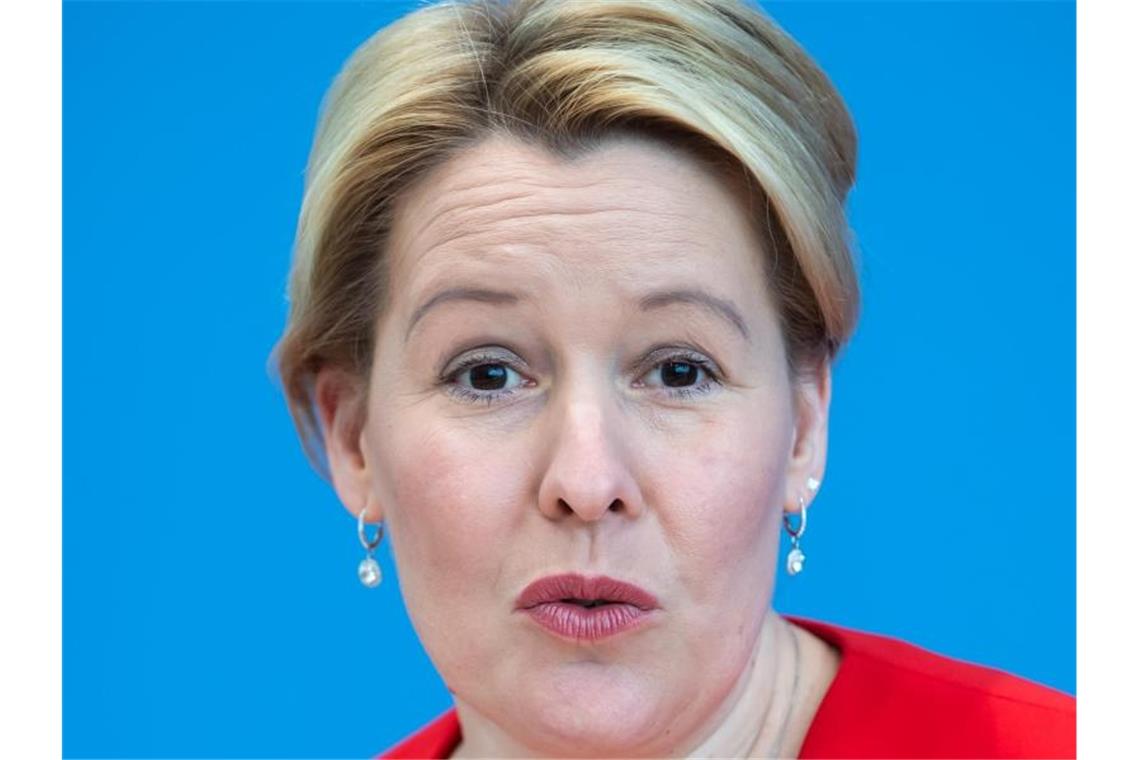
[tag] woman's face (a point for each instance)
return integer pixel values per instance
(602, 389)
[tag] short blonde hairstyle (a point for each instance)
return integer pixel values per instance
(717, 78)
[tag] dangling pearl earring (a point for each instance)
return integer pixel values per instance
(369, 569)
(796, 557)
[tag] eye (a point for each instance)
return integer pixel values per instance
(482, 377)
(683, 375)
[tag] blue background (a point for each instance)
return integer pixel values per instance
(211, 606)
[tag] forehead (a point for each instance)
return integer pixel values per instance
(630, 215)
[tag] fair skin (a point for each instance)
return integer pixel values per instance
(586, 437)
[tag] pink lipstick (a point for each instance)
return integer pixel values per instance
(586, 609)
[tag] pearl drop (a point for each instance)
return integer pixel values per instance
(795, 561)
(369, 572)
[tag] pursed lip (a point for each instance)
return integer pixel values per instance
(556, 588)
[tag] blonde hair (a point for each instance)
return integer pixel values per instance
(717, 78)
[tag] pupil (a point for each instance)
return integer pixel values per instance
(674, 374)
(488, 377)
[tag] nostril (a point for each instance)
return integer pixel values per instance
(564, 507)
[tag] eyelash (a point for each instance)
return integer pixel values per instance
(491, 397)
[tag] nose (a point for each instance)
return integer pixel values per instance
(589, 473)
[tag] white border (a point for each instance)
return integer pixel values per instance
(1108, 291)
(31, 384)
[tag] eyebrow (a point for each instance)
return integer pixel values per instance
(720, 307)
(480, 295)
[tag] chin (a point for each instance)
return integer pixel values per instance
(590, 709)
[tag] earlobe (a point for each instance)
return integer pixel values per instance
(339, 398)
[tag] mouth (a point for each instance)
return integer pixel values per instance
(585, 610)
(585, 592)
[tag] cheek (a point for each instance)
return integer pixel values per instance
(726, 502)
(455, 534)
(448, 498)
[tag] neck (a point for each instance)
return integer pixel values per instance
(758, 711)
(766, 714)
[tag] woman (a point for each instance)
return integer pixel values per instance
(568, 283)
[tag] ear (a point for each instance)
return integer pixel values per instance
(341, 406)
(812, 394)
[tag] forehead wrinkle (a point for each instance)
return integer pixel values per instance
(545, 185)
(476, 173)
(445, 210)
(465, 227)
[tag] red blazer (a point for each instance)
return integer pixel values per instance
(890, 699)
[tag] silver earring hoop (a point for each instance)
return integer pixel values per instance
(796, 557)
(369, 569)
